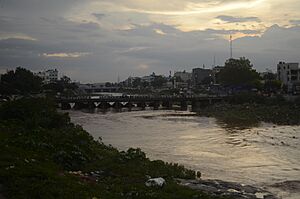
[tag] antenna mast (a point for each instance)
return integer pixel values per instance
(214, 61)
(230, 46)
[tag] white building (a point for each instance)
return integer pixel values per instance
(288, 74)
(48, 76)
(184, 76)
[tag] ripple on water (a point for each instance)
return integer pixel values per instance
(262, 155)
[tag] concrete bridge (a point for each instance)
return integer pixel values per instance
(141, 101)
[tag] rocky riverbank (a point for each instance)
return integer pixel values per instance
(228, 189)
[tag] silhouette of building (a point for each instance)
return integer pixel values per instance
(288, 74)
(48, 76)
(199, 75)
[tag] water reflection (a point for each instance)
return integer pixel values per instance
(257, 153)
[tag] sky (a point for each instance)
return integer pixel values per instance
(101, 40)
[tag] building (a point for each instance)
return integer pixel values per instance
(288, 74)
(184, 76)
(215, 72)
(199, 75)
(149, 78)
(98, 88)
(48, 76)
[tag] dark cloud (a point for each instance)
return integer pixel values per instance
(232, 19)
(32, 28)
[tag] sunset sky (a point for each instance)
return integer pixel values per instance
(99, 40)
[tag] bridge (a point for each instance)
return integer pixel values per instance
(142, 101)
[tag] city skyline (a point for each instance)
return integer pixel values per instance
(99, 40)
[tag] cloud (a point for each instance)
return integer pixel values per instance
(5, 36)
(65, 55)
(295, 22)
(231, 19)
(195, 8)
(232, 31)
(97, 40)
(142, 66)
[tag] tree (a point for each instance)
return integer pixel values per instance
(20, 81)
(65, 80)
(207, 80)
(272, 85)
(158, 81)
(61, 85)
(239, 72)
(137, 82)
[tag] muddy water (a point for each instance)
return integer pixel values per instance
(260, 155)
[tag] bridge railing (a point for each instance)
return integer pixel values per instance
(140, 97)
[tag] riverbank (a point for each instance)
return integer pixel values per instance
(44, 155)
(251, 114)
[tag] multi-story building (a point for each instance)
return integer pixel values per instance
(184, 76)
(288, 74)
(98, 88)
(48, 76)
(200, 74)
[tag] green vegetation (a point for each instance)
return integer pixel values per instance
(20, 81)
(44, 155)
(62, 86)
(23, 82)
(246, 109)
(239, 72)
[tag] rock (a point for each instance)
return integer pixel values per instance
(228, 189)
(198, 174)
(155, 182)
(293, 186)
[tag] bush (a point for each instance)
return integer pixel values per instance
(246, 97)
(34, 113)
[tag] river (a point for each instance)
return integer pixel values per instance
(260, 155)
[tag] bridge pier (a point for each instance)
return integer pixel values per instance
(104, 105)
(183, 105)
(156, 105)
(65, 106)
(167, 104)
(141, 105)
(196, 105)
(129, 105)
(117, 105)
(80, 105)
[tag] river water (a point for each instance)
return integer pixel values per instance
(260, 155)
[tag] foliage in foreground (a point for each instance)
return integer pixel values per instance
(40, 149)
